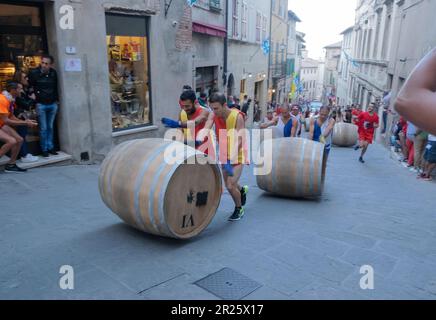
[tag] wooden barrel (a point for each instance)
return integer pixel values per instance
(345, 134)
(175, 200)
(296, 170)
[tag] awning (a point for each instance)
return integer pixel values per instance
(208, 29)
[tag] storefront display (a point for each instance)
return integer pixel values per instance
(128, 77)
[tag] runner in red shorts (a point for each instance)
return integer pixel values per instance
(369, 121)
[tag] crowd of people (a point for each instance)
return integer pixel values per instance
(28, 101)
(417, 148)
(198, 115)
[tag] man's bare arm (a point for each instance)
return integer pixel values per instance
(199, 120)
(14, 122)
(417, 99)
(207, 127)
(330, 127)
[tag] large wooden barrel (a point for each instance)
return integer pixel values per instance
(345, 134)
(175, 200)
(296, 170)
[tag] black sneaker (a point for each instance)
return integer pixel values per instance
(13, 168)
(356, 148)
(237, 215)
(45, 154)
(244, 192)
(53, 152)
(361, 160)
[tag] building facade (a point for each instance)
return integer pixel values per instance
(293, 53)
(332, 57)
(311, 79)
(208, 33)
(414, 21)
(278, 53)
(121, 65)
(248, 28)
(375, 21)
(345, 64)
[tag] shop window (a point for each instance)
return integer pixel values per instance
(21, 40)
(127, 47)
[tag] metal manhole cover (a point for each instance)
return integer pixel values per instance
(228, 284)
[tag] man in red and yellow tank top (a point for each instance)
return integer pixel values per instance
(230, 133)
(191, 112)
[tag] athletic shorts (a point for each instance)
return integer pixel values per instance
(365, 136)
(430, 152)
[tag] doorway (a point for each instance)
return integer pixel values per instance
(23, 40)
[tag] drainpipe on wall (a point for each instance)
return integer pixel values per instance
(270, 51)
(226, 47)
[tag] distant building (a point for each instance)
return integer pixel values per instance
(344, 68)
(332, 57)
(279, 50)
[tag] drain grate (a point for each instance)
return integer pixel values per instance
(228, 284)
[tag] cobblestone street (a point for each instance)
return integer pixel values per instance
(374, 214)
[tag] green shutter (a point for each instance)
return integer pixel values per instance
(290, 67)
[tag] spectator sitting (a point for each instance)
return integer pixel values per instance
(24, 105)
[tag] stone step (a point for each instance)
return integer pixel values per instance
(61, 159)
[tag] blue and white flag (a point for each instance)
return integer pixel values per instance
(266, 47)
(191, 2)
(354, 62)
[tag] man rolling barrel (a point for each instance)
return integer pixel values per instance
(321, 130)
(285, 124)
(191, 112)
(229, 126)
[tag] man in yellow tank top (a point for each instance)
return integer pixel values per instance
(230, 126)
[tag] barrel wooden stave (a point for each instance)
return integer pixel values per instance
(345, 135)
(296, 171)
(135, 182)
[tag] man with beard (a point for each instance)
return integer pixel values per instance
(191, 112)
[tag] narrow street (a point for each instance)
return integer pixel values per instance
(375, 214)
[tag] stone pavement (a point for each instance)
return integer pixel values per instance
(374, 214)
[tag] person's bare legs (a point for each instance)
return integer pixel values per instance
(365, 146)
(403, 144)
(232, 185)
(15, 150)
(429, 169)
(9, 142)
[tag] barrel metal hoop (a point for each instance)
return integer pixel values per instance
(312, 171)
(166, 182)
(273, 167)
(321, 168)
(139, 182)
(299, 180)
(112, 164)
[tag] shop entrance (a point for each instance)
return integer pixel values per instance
(22, 42)
(206, 79)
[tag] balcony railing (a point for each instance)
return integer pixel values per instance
(278, 70)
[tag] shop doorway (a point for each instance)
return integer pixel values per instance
(206, 79)
(22, 42)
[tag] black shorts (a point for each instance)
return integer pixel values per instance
(430, 152)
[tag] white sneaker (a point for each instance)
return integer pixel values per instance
(29, 159)
(414, 170)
